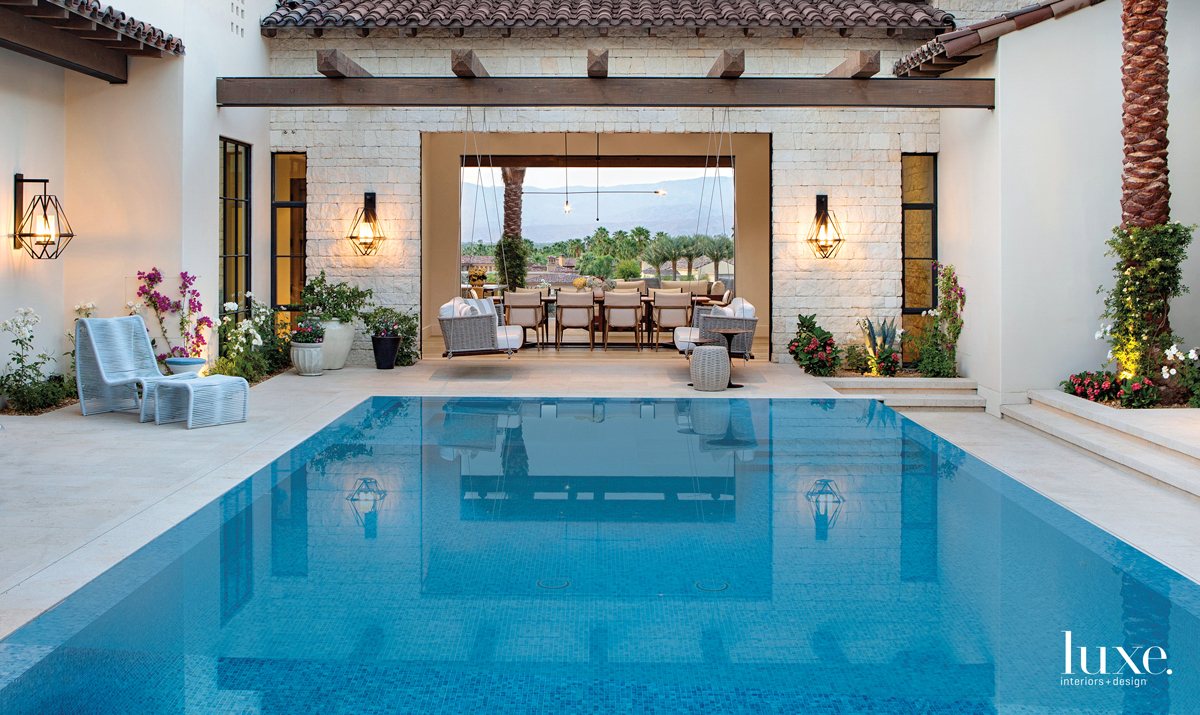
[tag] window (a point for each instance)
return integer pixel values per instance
(288, 209)
(235, 228)
(918, 188)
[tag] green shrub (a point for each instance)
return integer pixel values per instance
(511, 256)
(857, 360)
(27, 388)
(1094, 386)
(814, 348)
(629, 270)
(934, 357)
(1137, 392)
(42, 395)
(335, 301)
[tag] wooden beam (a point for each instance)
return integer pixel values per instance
(44, 11)
(611, 92)
(730, 64)
(861, 64)
(597, 63)
(36, 39)
(590, 162)
(333, 63)
(464, 63)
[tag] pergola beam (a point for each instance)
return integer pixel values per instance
(729, 65)
(610, 92)
(464, 63)
(860, 64)
(335, 64)
(36, 39)
(597, 63)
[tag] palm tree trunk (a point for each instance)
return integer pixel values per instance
(513, 186)
(1145, 190)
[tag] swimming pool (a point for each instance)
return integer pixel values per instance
(620, 556)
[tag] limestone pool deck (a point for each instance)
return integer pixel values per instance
(78, 494)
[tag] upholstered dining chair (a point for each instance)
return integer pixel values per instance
(575, 310)
(623, 311)
(670, 312)
(526, 310)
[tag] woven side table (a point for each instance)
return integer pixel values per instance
(710, 368)
(203, 402)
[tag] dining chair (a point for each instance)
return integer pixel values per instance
(623, 311)
(526, 310)
(670, 312)
(575, 310)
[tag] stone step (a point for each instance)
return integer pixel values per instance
(1161, 463)
(913, 393)
(1109, 418)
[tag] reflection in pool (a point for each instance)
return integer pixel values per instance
(613, 556)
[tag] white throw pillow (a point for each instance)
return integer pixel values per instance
(448, 310)
(466, 310)
(723, 311)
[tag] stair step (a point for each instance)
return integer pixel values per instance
(1164, 464)
(1109, 418)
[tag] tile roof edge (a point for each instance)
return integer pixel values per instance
(116, 20)
(980, 33)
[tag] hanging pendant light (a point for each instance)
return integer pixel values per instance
(42, 229)
(826, 504)
(365, 234)
(825, 236)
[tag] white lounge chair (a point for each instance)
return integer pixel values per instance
(114, 362)
(738, 314)
(473, 327)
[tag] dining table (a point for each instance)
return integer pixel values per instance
(647, 305)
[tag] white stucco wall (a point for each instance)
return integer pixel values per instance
(1030, 193)
(144, 162)
(32, 131)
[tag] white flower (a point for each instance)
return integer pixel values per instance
(1165, 374)
(1192, 354)
(1173, 371)
(77, 306)
(1110, 357)
(249, 294)
(91, 306)
(230, 307)
(1099, 334)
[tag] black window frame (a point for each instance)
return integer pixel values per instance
(275, 206)
(242, 260)
(933, 240)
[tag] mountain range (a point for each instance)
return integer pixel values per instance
(543, 219)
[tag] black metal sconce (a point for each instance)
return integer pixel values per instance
(826, 504)
(41, 229)
(825, 236)
(365, 501)
(365, 234)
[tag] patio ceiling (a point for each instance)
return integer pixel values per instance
(81, 35)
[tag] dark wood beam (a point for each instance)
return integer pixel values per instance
(597, 63)
(36, 39)
(333, 63)
(610, 160)
(730, 64)
(44, 11)
(464, 63)
(861, 64)
(611, 92)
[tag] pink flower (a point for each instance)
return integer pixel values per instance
(1137, 386)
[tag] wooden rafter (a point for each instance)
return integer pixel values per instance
(464, 63)
(597, 63)
(333, 63)
(37, 39)
(610, 92)
(861, 64)
(729, 64)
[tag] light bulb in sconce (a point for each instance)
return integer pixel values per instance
(366, 233)
(567, 207)
(661, 192)
(825, 235)
(45, 230)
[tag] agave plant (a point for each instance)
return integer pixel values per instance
(878, 340)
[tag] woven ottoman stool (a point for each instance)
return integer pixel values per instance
(710, 368)
(203, 402)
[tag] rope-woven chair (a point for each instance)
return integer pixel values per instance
(704, 322)
(114, 361)
(480, 334)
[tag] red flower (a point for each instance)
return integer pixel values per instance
(1106, 384)
(1120, 393)
(1137, 386)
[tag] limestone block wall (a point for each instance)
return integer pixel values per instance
(851, 154)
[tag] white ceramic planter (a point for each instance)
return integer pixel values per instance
(336, 348)
(179, 366)
(306, 358)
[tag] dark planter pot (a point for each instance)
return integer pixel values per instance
(386, 350)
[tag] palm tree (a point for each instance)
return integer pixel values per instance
(690, 250)
(672, 250)
(716, 249)
(514, 178)
(654, 255)
(575, 247)
(599, 236)
(641, 235)
(625, 249)
(1145, 190)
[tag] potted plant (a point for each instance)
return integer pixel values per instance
(307, 337)
(336, 304)
(385, 326)
(476, 276)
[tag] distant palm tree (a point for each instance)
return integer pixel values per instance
(672, 248)
(599, 236)
(717, 249)
(690, 249)
(575, 247)
(655, 256)
(641, 235)
(625, 249)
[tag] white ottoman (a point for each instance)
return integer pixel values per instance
(710, 368)
(203, 402)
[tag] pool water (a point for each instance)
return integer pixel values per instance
(620, 556)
